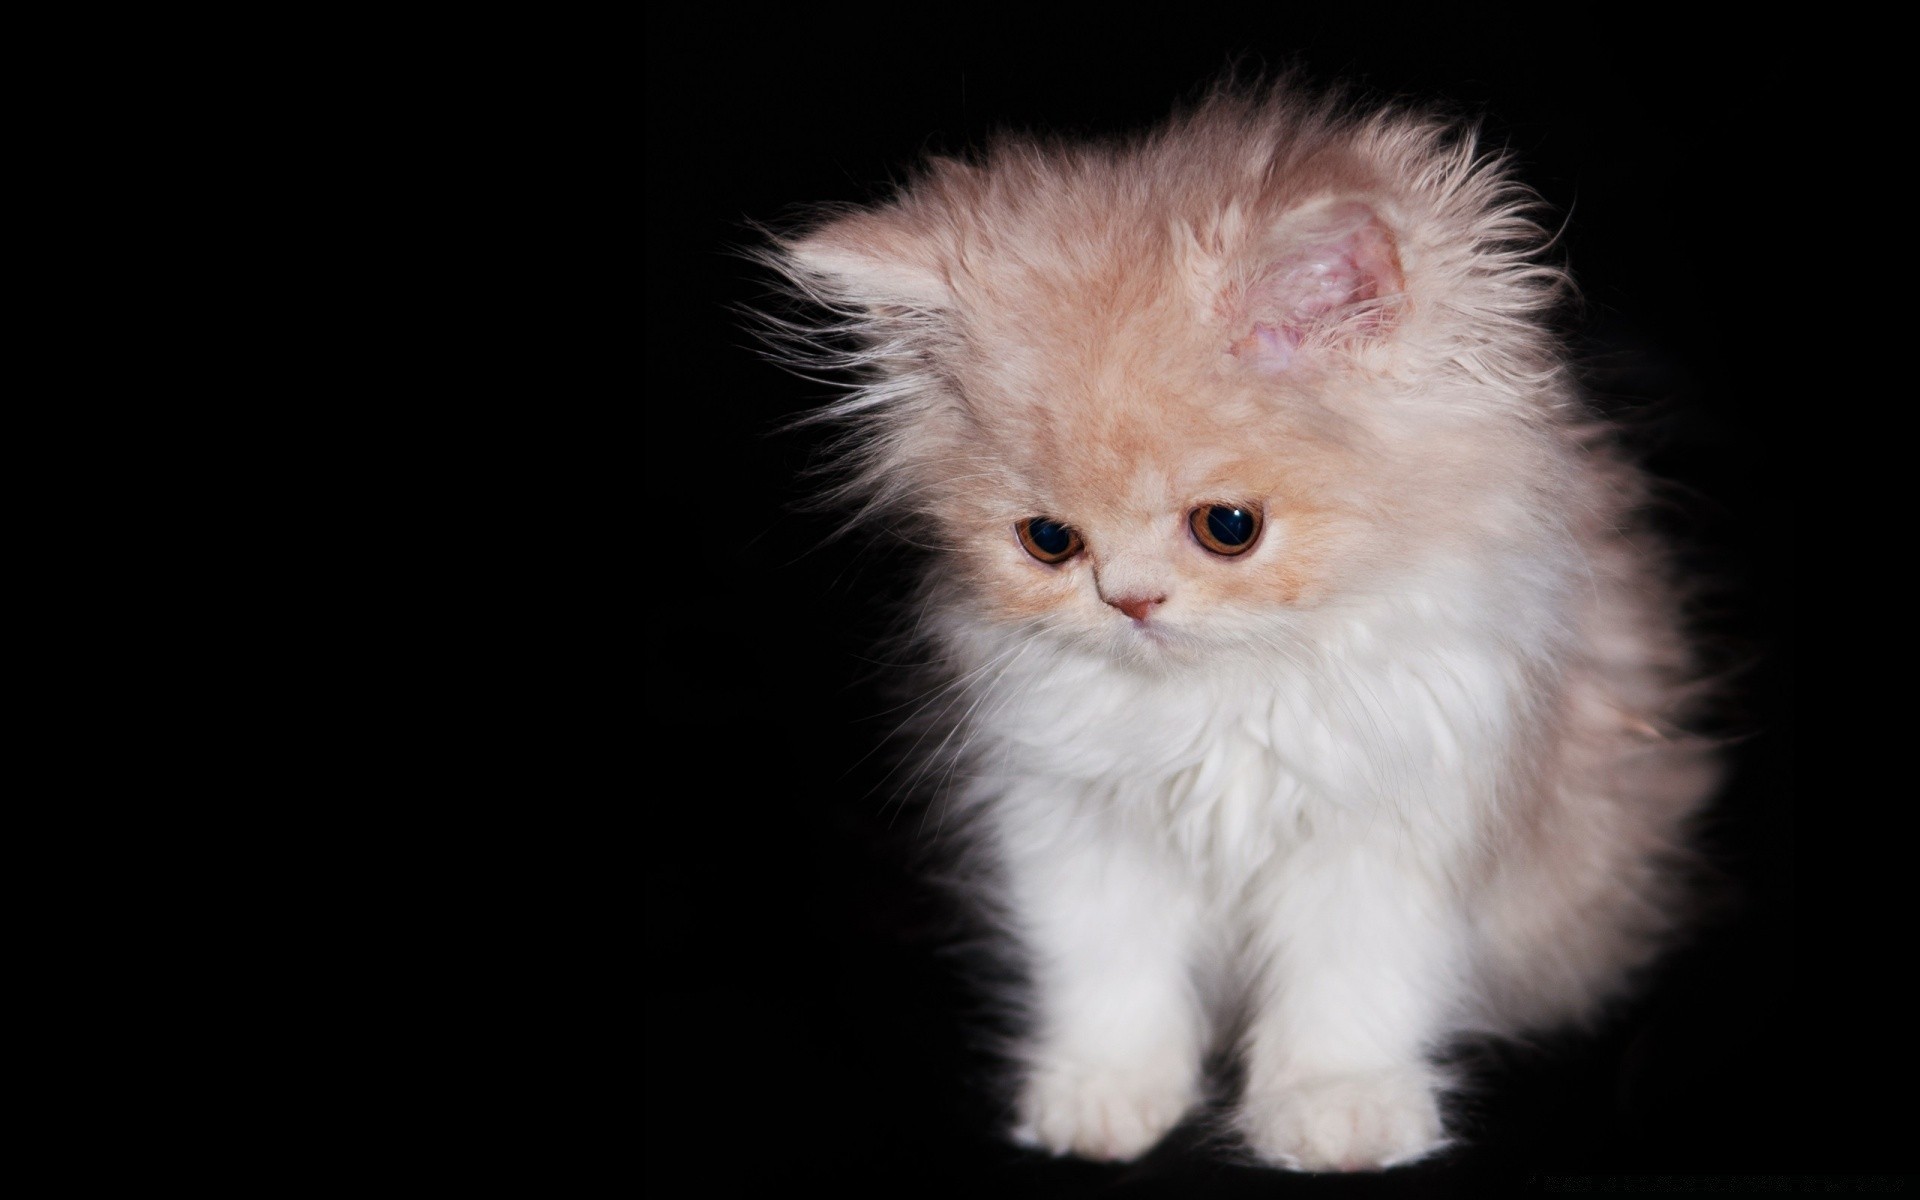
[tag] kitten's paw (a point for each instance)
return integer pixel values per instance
(1108, 1113)
(1360, 1122)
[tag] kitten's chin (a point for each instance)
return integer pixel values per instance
(1163, 647)
(1153, 645)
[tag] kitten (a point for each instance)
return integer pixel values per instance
(1307, 680)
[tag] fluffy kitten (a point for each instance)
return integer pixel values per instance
(1312, 685)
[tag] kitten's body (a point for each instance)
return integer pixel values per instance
(1397, 770)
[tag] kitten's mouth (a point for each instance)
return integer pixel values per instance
(1153, 646)
(1157, 632)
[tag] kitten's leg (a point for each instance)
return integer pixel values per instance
(1114, 1058)
(1360, 965)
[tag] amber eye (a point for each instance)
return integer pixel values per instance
(1227, 529)
(1048, 540)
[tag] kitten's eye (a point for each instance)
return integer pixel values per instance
(1049, 541)
(1227, 529)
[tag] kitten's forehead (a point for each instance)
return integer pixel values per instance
(1139, 447)
(1096, 373)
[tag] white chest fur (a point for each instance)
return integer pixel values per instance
(1375, 721)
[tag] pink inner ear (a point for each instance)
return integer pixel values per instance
(1329, 285)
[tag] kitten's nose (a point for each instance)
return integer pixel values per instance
(1137, 607)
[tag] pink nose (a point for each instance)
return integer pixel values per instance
(1137, 607)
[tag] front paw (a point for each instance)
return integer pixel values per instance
(1111, 1113)
(1357, 1122)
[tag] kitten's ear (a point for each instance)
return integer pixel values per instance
(1328, 280)
(875, 259)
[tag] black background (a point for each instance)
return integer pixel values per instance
(807, 1021)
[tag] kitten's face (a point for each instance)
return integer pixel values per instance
(1153, 507)
(1119, 357)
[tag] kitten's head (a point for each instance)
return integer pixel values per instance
(1172, 396)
